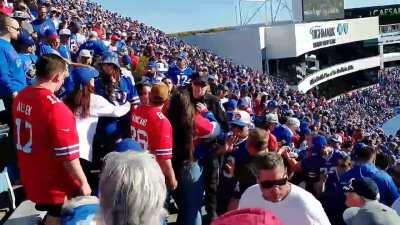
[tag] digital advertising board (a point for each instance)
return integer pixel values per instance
(318, 10)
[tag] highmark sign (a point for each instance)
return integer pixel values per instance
(316, 35)
(319, 32)
(333, 72)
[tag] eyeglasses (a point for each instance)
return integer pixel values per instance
(271, 183)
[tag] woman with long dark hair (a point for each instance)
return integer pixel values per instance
(190, 129)
(87, 108)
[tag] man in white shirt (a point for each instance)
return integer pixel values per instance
(290, 203)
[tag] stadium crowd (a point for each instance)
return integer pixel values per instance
(102, 105)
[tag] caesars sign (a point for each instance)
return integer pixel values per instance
(388, 14)
(333, 72)
(312, 36)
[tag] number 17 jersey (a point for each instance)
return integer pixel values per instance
(45, 135)
(152, 130)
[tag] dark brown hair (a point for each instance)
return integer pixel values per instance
(109, 85)
(258, 139)
(180, 114)
(48, 65)
(79, 101)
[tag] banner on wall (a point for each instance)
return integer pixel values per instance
(333, 72)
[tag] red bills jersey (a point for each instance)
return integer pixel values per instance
(45, 135)
(152, 130)
(203, 128)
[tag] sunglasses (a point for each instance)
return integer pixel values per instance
(271, 183)
(15, 28)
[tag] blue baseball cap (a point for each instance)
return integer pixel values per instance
(83, 75)
(272, 104)
(182, 55)
(25, 38)
(111, 58)
(128, 144)
(243, 103)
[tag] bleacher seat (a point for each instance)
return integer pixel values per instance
(6, 192)
(26, 214)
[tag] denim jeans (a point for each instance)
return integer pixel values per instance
(189, 194)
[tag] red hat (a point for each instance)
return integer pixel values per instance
(248, 217)
(115, 37)
(5, 10)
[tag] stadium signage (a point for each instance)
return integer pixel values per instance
(391, 11)
(317, 35)
(333, 72)
(319, 32)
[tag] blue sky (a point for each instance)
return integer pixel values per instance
(185, 15)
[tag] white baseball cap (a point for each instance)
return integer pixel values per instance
(65, 32)
(241, 118)
(85, 53)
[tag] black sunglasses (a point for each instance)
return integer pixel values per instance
(271, 183)
(15, 28)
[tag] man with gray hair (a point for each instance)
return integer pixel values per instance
(365, 209)
(290, 203)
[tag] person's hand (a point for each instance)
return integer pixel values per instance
(85, 189)
(230, 168)
(172, 185)
(230, 143)
(202, 108)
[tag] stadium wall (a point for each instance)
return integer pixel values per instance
(243, 46)
(391, 126)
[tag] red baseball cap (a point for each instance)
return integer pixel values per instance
(248, 217)
(5, 10)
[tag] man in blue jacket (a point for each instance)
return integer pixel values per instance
(364, 167)
(12, 77)
(94, 45)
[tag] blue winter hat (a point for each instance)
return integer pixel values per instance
(110, 58)
(83, 75)
(25, 38)
(230, 105)
(128, 144)
(359, 148)
(318, 143)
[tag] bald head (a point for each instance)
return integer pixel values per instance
(9, 26)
